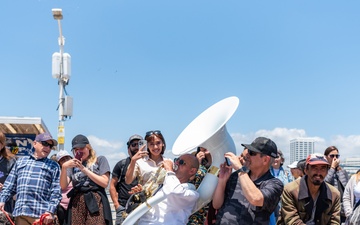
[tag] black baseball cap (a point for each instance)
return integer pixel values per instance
(301, 165)
(79, 141)
(263, 145)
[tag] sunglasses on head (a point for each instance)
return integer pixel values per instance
(134, 144)
(180, 161)
(334, 155)
(152, 132)
(252, 153)
(47, 144)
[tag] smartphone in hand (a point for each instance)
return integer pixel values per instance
(142, 143)
(78, 155)
(228, 162)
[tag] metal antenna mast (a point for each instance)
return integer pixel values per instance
(61, 70)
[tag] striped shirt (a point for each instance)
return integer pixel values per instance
(35, 182)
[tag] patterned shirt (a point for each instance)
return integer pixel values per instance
(236, 209)
(36, 185)
(199, 217)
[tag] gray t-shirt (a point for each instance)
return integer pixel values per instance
(78, 178)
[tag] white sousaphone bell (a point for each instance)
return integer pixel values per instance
(208, 130)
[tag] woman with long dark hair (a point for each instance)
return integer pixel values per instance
(7, 161)
(147, 164)
(336, 176)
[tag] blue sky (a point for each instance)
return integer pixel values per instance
(145, 65)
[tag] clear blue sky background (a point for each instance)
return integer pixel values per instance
(143, 65)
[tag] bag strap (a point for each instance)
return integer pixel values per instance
(123, 164)
(356, 205)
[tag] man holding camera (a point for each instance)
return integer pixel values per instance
(119, 190)
(250, 194)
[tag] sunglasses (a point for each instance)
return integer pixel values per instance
(13, 149)
(47, 144)
(334, 155)
(134, 144)
(152, 132)
(180, 161)
(252, 153)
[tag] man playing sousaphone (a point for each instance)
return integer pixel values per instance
(181, 196)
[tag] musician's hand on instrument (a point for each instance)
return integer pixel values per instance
(136, 189)
(200, 156)
(168, 165)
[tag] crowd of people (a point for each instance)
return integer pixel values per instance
(252, 188)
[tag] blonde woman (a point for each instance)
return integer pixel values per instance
(90, 176)
(352, 195)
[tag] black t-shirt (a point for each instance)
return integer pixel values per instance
(236, 209)
(122, 188)
(5, 168)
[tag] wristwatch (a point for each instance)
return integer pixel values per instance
(243, 169)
